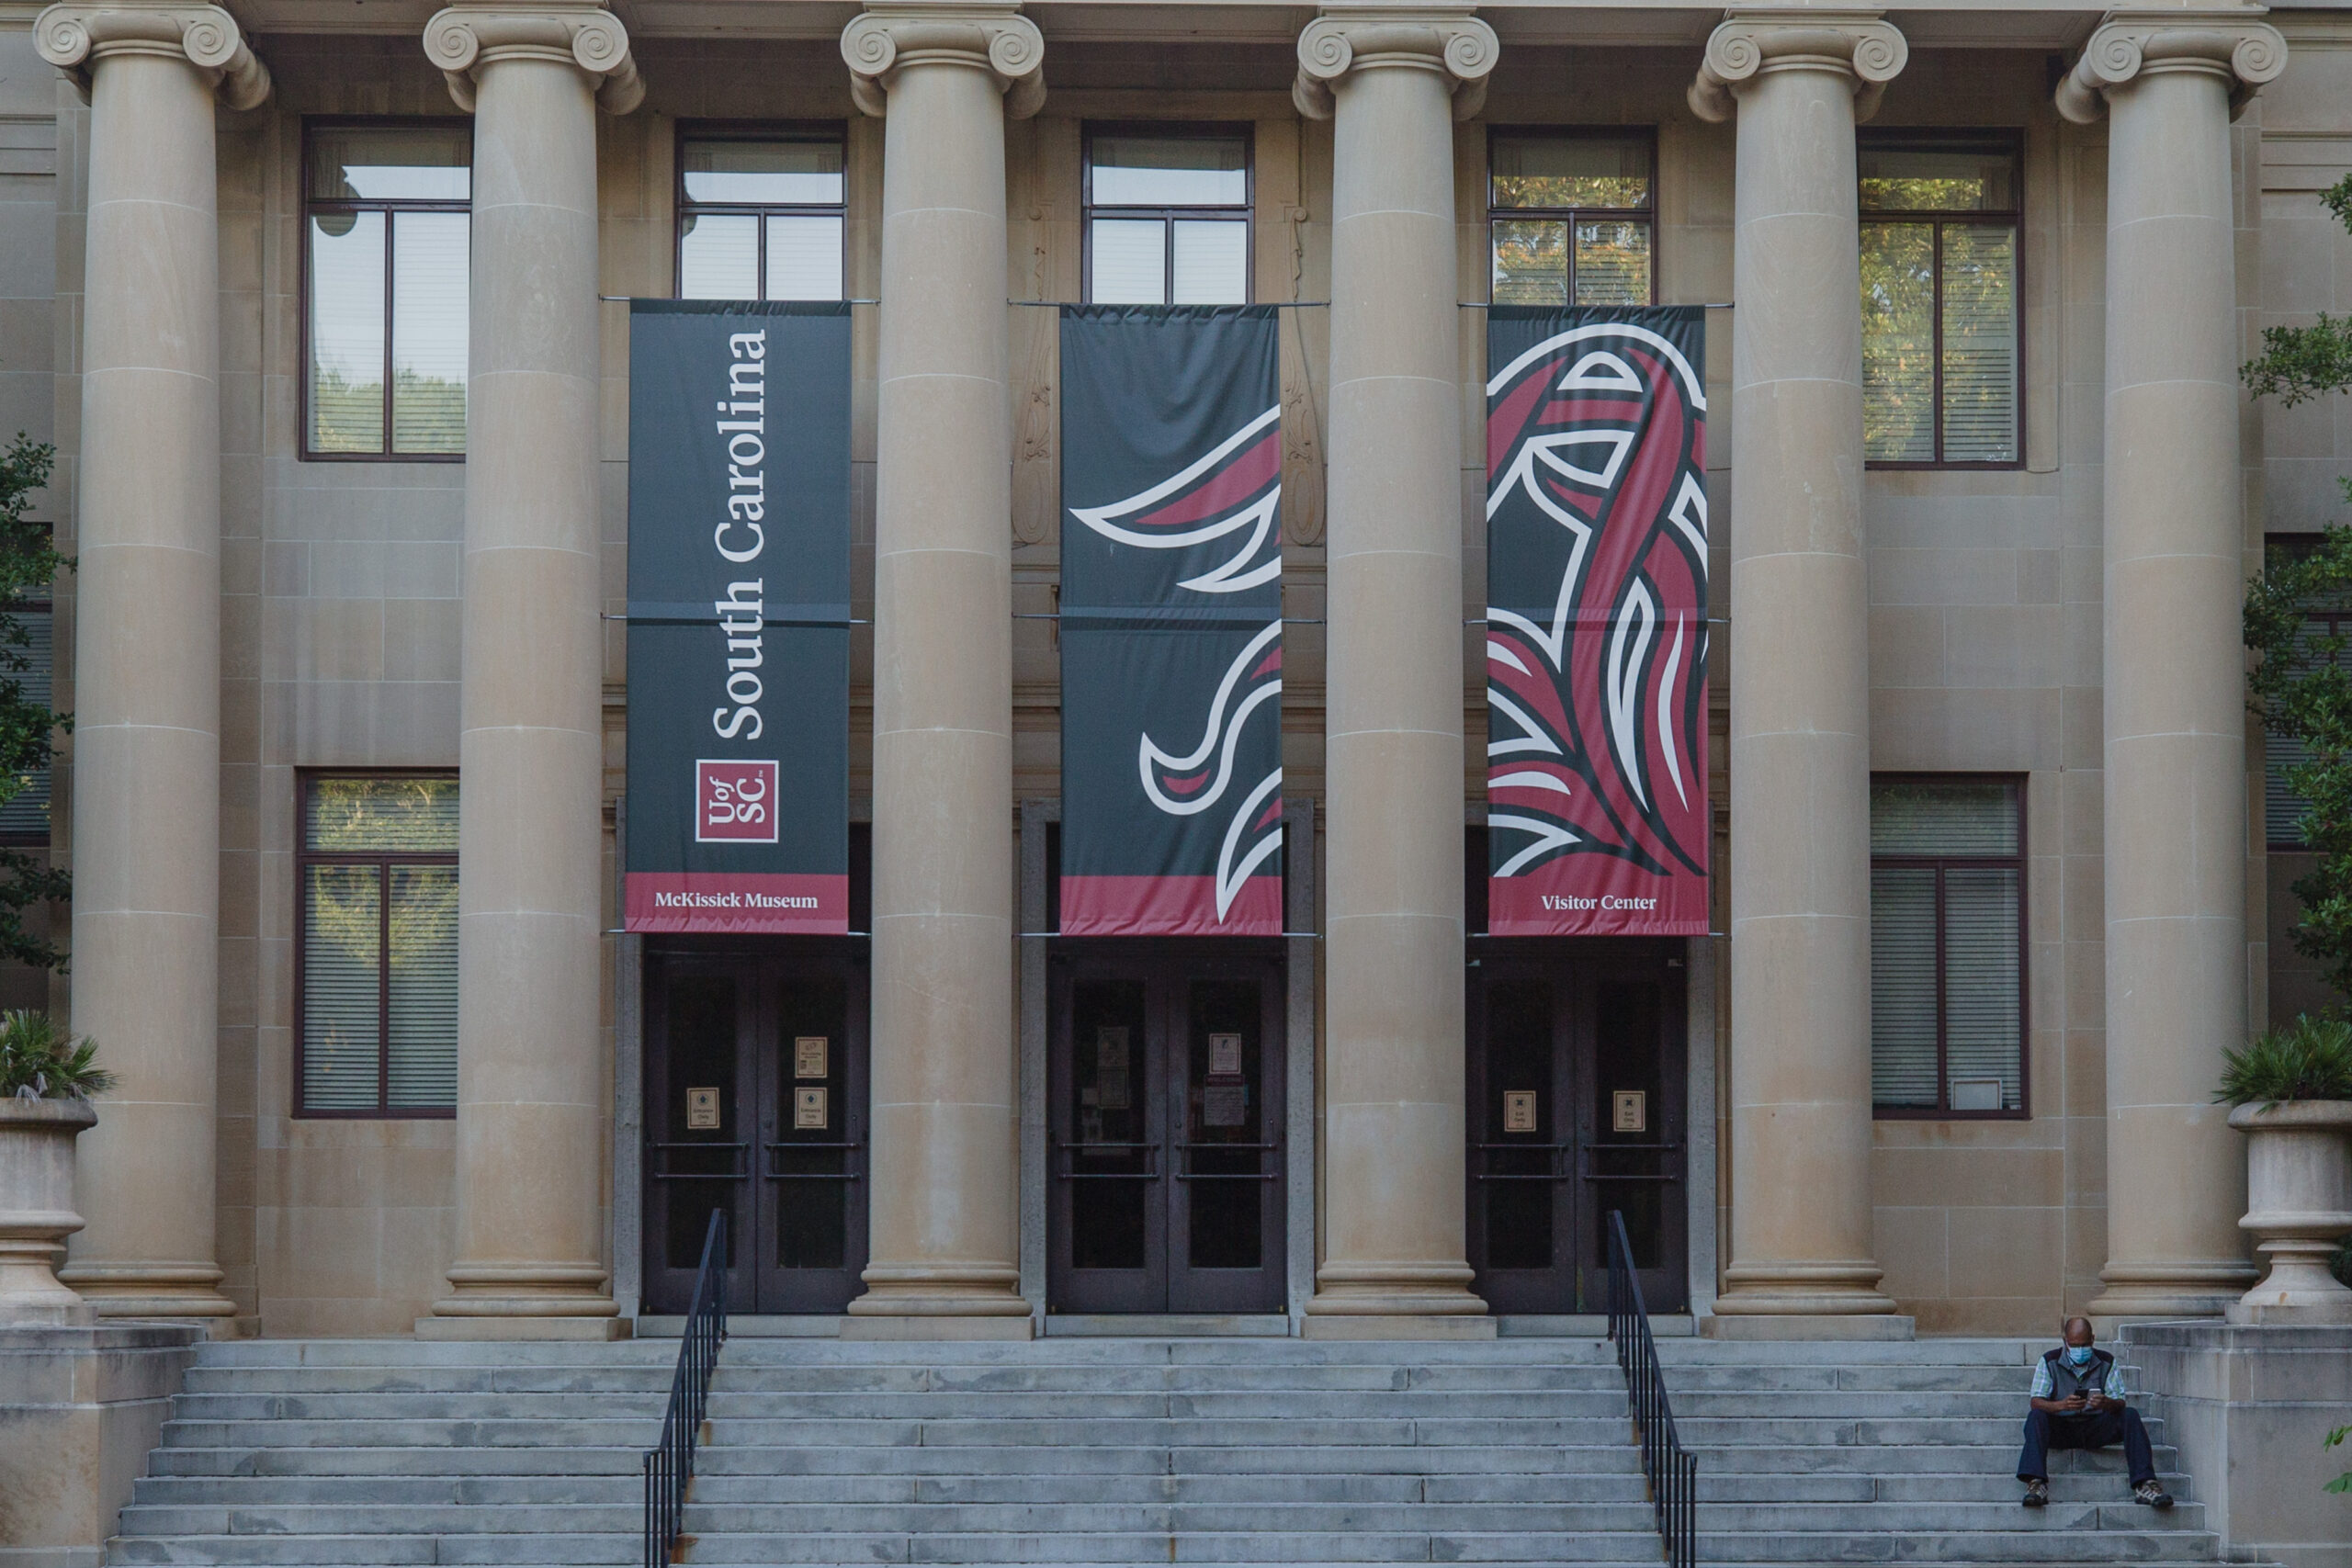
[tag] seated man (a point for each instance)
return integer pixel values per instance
(2078, 1403)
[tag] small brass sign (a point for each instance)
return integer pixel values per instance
(1629, 1110)
(1225, 1055)
(1519, 1111)
(809, 1054)
(702, 1111)
(810, 1109)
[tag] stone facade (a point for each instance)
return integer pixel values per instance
(295, 615)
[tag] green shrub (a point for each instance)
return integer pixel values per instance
(2309, 1059)
(41, 1061)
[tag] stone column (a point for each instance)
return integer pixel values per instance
(1393, 82)
(147, 655)
(530, 1067)
(2176, 795)
(944, 1243)
(1800, 1243)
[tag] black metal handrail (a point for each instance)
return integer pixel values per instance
(1672, 1470)
(669, 1464)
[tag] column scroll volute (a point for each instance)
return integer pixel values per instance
(887, 37)
(1749, 43)
(73, 37)
(1347, 38)
(462, 37)
(2232, 44)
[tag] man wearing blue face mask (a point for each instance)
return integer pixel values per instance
(2078, 1403)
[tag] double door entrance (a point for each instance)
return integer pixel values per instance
(1165, 1123)
(1576, 1108)
(756, 1096)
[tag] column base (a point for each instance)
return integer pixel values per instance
(2167, 1291)
(1382, 1326)
(1832, 1288)
(1817, 1326)
(929, 1300)
(596, 1329)
(500, 1292)
(175, 1290)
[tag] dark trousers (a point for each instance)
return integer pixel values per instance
(2092, 1429)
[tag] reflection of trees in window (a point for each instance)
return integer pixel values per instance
(378, 1015)
(386, 275)
(1939, 299)
(1569, 216)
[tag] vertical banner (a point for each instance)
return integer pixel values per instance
(739, 519)
(1597, 814)
(1171, 631)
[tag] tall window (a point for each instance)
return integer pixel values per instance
(1940, 301)
(24, 820)
(376, 936)
(1570, 216)
(385, 235)
(2282, 808)
(760, 215)
(1168, 216)
(1947, 947)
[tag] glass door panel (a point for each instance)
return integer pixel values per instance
(812, 1146)
(1228, 1179)
(701, 1102)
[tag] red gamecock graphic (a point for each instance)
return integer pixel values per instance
(1235, 487)
(1192, 784)
(1597, 635)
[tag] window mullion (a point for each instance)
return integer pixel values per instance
(1943, 981)
(383, 985)
(390, 291)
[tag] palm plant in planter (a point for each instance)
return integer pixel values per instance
(47, 1077)
(2292, 1090)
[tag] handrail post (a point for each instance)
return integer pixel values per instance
(669, 1463)
(1671, 1470)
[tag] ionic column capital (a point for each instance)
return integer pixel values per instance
(1755, 42)
(463, 38)
(74, 36)
(988, 35)
(1342, 39)
(2230, 44)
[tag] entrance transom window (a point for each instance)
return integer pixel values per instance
(761, 215)
(1168, 216)
(1570, 217)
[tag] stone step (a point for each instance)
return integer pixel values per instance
(1223, 1546)
(196, 1461)
(1999, 1458)
(391, 1405)
(2002, 1546)
(1191, 1405)
(367, 1550)
(732, 1459)
(1902, 1431)
(396, 1434)
(1090, 1431)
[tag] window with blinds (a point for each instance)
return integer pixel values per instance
(762, 214)
(1167, 215)
(376, 1016)
(23, 818)
(1939, 217)
(2282, 808)
(1947, 947)
(387, 223)
(1570, 217)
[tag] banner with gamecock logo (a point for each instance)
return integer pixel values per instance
(1596, 815)
(1170, 622)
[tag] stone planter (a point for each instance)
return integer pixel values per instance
(2299, 1206)
(37, 1208)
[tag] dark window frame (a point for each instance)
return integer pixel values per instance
(1645, 134)
(2011, 141)
(1244, 213)
(304, 452)
(382, 861)
(2339, 623)
(2021, 861)
(681, 209)
(46, 605)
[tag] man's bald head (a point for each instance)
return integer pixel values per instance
(2077, 1331)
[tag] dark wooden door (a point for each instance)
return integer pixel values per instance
(1165, 1115)
(1574, 1108)
(755, 1100)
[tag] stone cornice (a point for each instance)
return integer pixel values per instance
(2232, 43)
(1359, 37)
(992, 35)
(585, 36)
(1753, 42)
(73, 37)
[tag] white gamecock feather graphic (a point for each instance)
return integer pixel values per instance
(1165, 517)
(1180, 785)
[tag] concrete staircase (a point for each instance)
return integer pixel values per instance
(1104, 1450)
(1819, 1452)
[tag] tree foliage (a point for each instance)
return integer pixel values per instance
(2302, 682)
(29, 565)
